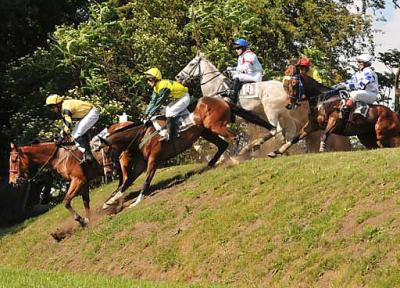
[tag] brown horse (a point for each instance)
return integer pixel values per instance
(380, 127)
(140, 146)
(66, 161)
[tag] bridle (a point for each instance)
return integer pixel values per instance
(191, 74)
(299, 86)
(15, 168)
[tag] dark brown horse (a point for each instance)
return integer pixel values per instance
(140, 146)
(66, 161)
(380, 127)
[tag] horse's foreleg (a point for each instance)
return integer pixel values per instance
(256, 144)
(328, 130)
(75, 185)
(151, 170)
(125, 166)
(86, 203)
(217, 141)
(129, 176)
(307, 129)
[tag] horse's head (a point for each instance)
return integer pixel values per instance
(191, 71)
(19, 165)
(102, 153)
(292, 83)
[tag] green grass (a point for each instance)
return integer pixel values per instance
(316, 220)
(10, 278)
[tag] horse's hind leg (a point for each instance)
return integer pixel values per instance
(217, 141)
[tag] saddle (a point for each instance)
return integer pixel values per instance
(183, 121)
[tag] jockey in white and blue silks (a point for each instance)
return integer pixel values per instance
(363, 85)
(248, 67)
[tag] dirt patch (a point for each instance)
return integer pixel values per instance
(382, 211)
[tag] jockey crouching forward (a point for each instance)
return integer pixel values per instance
(363, 85)
(248, 68)
(162, 90)
(75, 110)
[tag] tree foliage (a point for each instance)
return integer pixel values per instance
(102, 55)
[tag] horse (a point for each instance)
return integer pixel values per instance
(141, 148)
(66, 161)
(380, 128)
(109, 159)
(269, 102)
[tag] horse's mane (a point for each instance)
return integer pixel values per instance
(127, 127)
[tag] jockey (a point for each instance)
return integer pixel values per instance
(75, 110)
(162, 90)
(248, 67)
(304, 65)
(363, 85)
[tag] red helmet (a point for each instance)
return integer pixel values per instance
(304, 62)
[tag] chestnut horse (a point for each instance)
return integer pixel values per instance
(380, 128)
(65, 161)
(140, 146)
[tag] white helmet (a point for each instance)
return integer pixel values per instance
(366, 58)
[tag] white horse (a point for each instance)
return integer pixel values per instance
(267, 99)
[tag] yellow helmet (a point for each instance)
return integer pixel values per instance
(153, 73)
(54, 99)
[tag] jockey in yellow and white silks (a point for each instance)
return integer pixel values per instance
(248, 67)
(363, 85)
(163, 90)
(70, 110)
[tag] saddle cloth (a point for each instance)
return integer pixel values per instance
(184, 121)
(248, 90)
(95, 143)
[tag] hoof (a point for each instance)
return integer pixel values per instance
(82, 221)
(272, 155)
(105, 206)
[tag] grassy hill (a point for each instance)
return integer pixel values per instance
(315, 220)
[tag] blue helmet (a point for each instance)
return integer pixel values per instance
(240, 43)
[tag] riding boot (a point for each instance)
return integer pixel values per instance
(235, 90)
(171, 128)
(346, 109)
(83, 145)
(344, 112)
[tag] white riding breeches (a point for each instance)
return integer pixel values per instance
(176, 107)
(364, 96)
(86, 123)
(249, 77)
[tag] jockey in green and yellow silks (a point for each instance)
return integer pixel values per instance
(163, 90)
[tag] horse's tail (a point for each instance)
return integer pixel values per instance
(250, 117)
